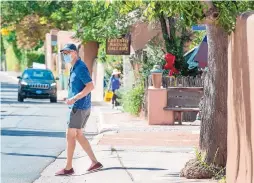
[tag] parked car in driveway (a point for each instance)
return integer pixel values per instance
(37, 84)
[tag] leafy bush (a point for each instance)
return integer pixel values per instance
(12, 60)
(132, 99)
(19, 59)
(223, 180)
(197, 38)
(153, 56)
(35, 57)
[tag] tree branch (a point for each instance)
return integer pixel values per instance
(210, 11)
(164, 31)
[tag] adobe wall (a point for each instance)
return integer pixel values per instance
(240, 162)
(88, 53)
(52, 36)
(142, 33)
(64, 37)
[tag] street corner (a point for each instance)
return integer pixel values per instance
(103, 125)
(106, 128)
(167, 139)
(121, 118)
(116, 120)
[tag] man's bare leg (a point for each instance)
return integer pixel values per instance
(86, 146)
(71, 144)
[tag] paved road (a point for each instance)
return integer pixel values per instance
(32, 134)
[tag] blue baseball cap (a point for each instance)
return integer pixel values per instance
(69, 47)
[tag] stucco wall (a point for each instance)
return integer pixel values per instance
(157, 100)
(240, 160)
(88, 53)
(64, 37)
(142, 33)
(48, 51)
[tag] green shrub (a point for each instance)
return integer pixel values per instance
(217, 172)
(12, 60)
(35, 57)
(132, 99)
(223, 180)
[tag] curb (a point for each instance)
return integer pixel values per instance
(102, 127)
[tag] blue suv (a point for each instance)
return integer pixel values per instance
(37, 84)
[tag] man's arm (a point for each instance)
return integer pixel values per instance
(89, 87)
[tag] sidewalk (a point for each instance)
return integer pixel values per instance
(131, 151)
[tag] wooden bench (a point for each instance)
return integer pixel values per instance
(183, 99)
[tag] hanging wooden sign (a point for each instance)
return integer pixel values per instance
(119, 46)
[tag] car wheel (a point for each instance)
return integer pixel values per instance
(53, 99)
(20, 98)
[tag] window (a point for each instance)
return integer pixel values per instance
(38, 74)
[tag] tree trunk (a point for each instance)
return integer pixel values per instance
(165, 32)
(213, 133)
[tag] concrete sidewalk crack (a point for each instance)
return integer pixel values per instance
(119, 159)
(24, 117)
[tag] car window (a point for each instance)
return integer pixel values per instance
(38, 74)
(25, 75)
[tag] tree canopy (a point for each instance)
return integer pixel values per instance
(92, 20)
(224, 13)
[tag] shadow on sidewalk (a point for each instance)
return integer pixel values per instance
(21, 115)
(122, 168)
(38, 155)
(6, 132)
(172, 174)
(43, 102)
(30, 155)
(133, 168)
(8, 85)
(8, 90)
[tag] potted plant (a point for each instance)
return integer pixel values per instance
(156, 73)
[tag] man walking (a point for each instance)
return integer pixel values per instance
(80, 87)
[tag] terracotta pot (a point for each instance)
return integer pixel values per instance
(156, 80)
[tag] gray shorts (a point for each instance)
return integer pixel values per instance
(78, 118)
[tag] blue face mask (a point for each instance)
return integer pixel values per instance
(67, 58)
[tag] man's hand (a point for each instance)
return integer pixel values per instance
(70, 101)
